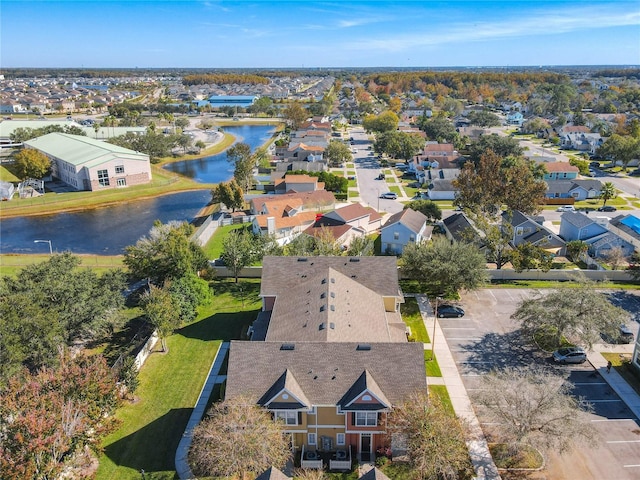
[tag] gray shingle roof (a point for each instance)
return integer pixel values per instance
(325, 371)
(577, 219)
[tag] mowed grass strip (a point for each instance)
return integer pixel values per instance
(169, 387)
(413, 319)
(11, 264)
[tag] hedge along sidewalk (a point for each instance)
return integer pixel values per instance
(476, 443)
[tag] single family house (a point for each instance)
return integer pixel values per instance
(402, 228)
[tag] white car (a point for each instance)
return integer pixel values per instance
(566, 208)
(389, 195)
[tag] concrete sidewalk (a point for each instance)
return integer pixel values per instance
(626, 393)
(476, 443)
(182, 452)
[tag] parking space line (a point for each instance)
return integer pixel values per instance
(464, 338)
(611, 419)
(590, 383)
(602, 401)
(631, 466)
(491, 293)
(623, 441)
(458, 328)
(472, 361)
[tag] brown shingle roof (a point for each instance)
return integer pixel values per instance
(355, 211)
(325, 371)
(272, 474)
(411, 219)
(553, 167)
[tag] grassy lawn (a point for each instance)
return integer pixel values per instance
(353, 193)
(395, 189)
(7, 174)
(11, 264)
(441, 392)
(625, 369)
(213, 248)
(351, 172)
(412, 318)
(431, 364)
(551, 284)
(353, 183)
(169, 387)
(338, 173)
(390, 179)
(163, 182)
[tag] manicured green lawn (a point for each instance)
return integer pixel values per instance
(431, 364)
(11, 264)
(441, 392)
(213, 248)
(395, 189)
(169, 387)
(413, 319)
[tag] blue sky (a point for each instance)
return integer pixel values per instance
(293, 34)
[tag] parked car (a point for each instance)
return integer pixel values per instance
(380, 177)
(594, 164)
(566, 208)
(570, 355)
(389, 195)
(624, 335)
(607, 208)
(635, 172)
(450, 311)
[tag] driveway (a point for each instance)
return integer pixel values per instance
(487, 338)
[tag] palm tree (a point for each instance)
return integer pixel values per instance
(608, 192)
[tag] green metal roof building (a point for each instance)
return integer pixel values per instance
(88, 164)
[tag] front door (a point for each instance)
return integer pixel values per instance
(365, 447)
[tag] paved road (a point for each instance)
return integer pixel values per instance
(486, 338)
(367, 169)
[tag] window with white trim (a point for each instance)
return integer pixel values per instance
(311, 438)
(340, 439)
(103, 178)
(366, 419)
(119, 169)
(122, 182)
(288, 417)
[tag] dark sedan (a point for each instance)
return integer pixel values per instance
(450, 311)
(607, 208)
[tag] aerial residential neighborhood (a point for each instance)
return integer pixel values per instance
(297, 240)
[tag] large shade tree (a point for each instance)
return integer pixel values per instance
(534, 406)
(243, 164)
(579, 314)
(238, 438)
(168, 251)
(445, 266)
(32, 163)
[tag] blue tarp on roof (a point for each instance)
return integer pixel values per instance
(632, 222)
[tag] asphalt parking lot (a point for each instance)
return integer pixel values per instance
(486, 338)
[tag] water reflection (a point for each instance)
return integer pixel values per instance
(216, 168)
(103, 231)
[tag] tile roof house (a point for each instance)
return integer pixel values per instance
(87, 164)
(560, 171)
(329, 354)
(287, 215)
(345, 223)
(576, 189)
(402, 228)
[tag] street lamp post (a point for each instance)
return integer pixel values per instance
(45, 241)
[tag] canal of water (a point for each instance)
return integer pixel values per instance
(108, 230)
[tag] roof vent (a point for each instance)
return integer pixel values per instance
(324, 280)
(321, 326)
(302, 259)
(322, 308)
(333, 280)
(355, 260)
(323, 295)
(363, 346)
(333, 308)
(333, 294)
(287, 346)
(332, 326)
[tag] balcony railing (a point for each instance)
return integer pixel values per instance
(311, 459)
(341, 460)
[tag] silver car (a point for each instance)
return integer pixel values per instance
(570, 355)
